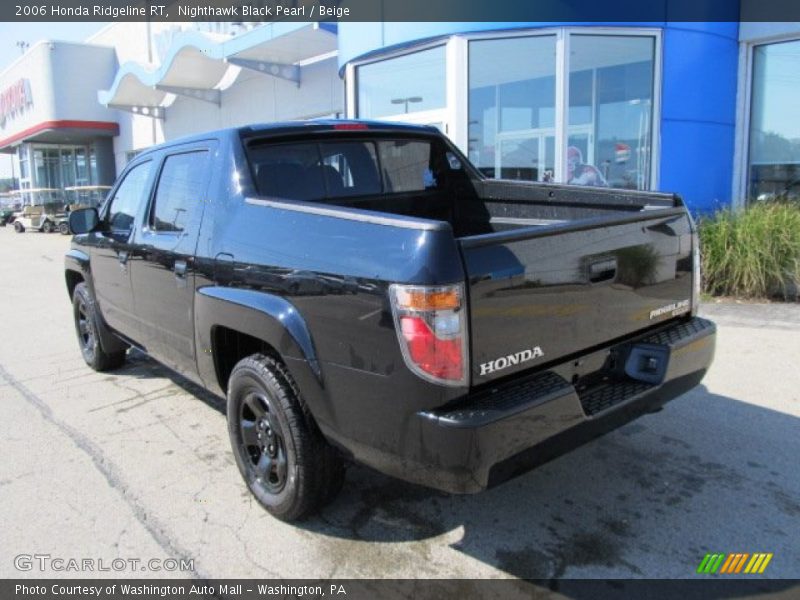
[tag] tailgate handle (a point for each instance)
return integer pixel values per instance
(603, 270)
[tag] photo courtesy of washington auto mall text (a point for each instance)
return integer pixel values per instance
(399, 299)
(179, 590)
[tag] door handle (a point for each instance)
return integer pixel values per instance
(180, 268)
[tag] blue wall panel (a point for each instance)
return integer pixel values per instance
(700, 72)
(697, 163)
(698, 112)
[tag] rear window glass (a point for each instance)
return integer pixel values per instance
(407, 166)
(316, 171)
(350, 168)
(289, 171)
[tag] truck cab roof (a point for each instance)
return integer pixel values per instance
(281, 128)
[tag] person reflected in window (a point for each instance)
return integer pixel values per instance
(579, 173)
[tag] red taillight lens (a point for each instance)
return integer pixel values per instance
(431, 328)
(441, 358)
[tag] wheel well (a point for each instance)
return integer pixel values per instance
(230, 346)
(73, 279)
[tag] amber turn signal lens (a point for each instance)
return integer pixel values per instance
(429, 300)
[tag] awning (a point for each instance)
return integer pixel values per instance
(197, 64)
(63, 131)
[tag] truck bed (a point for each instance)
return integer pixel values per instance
(559, 267)
(493, 206)
(556, 268)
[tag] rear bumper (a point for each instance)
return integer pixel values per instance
(501, 431)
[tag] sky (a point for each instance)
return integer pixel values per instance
(11, 33)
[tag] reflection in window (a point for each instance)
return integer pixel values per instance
(774, 168)
(609, 83)
(610, 111)
(128, 198)
(407, 166)
(402, 85)
(180, 190)
(512, 107)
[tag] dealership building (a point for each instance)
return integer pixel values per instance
(707, 110)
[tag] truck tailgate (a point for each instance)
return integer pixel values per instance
(543, 293)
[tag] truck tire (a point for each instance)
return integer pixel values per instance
(18, 227)
(285, 462)
(47, 227)
(84, 311)
(63, 228)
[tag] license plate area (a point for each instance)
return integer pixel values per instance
(647, 363)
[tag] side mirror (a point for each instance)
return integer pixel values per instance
(83, 220)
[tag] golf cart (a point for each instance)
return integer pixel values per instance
(8, 206)
(81, 196)
(42, 210)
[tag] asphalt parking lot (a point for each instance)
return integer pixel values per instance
(136, 464)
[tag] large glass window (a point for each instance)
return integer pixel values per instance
(774, 169)
(67, 167)
(512, 98)
(58, 167)
(610, 111)
(81, 168)
(605, 136)
(22, 156)
(406, 84)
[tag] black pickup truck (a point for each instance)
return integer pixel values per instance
(358, 290)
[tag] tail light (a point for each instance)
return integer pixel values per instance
(431, 327)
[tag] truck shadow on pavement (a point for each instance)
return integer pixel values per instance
(709, 473)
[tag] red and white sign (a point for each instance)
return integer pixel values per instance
(15, 99)
(622, 152)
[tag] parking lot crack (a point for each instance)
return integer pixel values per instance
(108, 470)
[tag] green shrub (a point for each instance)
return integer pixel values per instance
(751, 253)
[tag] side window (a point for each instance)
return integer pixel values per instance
(180, 189)
(128, 198)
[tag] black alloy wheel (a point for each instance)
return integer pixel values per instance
(87, 335)
(281, 454)
(84, 311)
(263, 441)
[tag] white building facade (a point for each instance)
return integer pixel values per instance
(74, 114)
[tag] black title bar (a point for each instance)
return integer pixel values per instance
(512, 11)
(370, 589)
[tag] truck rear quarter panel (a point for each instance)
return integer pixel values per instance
(333, 271)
